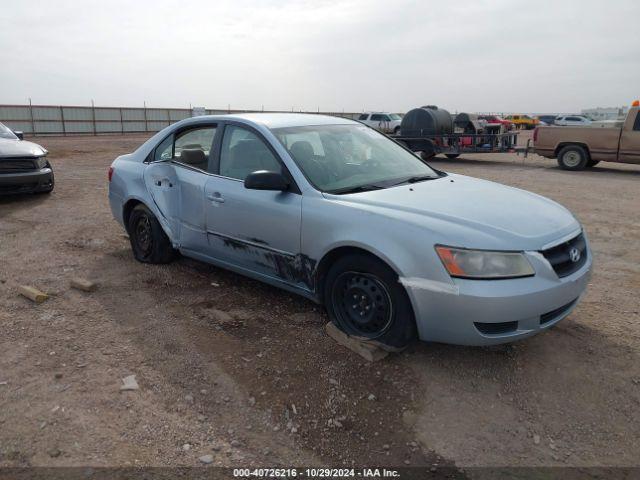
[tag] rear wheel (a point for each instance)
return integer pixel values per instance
(452, 155)
(365, 299)
(148, 241)
(573, 157)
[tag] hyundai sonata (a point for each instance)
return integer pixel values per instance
(337, 212)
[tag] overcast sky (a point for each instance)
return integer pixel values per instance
(481, 55)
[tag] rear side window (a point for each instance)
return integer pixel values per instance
(190, 147)
(164, 151)
(195, 139)
(243, 152)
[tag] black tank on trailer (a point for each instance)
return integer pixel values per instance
(427, 120)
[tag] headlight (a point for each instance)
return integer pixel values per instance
(479, 264)
(42, 162)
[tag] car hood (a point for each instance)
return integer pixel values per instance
(467, 212)
(20, 148)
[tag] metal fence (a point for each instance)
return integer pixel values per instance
(78, 120)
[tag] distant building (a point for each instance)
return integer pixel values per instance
(600, 113)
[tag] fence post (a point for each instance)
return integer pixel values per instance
(121, 122)
(93, 115)
(146, 127)
(64, 131)
(168, 116)
(33, 124)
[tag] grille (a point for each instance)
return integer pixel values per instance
(496, 328)
(553, 314)
(17, 165)
(560, 256)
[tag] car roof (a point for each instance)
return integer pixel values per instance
(280, 120)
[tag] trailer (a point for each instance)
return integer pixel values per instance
(431, 130)
(452, 145)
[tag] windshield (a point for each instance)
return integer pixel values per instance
(345, 158)
(5, 132)
(395, 116)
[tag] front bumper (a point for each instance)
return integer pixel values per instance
(482, 312)
(27, 182)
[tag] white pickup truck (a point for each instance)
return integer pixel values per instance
(385, 122)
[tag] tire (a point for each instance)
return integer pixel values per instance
(148, 241)
(573, 157)
(381, 310)
(427, 155)
(452, 155)
(592, 163)
(396, 131)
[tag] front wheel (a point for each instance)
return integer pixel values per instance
(452, 155)
(365, 299)
(148, 241)
(396, 131)
(573, 157)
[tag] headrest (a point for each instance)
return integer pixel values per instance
(193, 157)
(301, 150)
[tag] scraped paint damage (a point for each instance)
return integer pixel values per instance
(432, 285)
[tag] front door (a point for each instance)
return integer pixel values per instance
(257, 231)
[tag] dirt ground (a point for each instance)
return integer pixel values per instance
(244, 372)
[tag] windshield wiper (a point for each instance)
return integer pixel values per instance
(359, 188)
(415, 179)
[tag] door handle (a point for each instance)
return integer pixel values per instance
(166, 180)
(216, 197)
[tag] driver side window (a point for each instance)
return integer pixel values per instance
(243, 152)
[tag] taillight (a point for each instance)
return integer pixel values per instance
(110, 173)
(535, 134)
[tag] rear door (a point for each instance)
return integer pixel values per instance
(175, 178)
(161, 181)
(254, 230)
(630, 142)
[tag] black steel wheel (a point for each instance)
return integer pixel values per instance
(362, 304)
(148, 241)
(365, 299)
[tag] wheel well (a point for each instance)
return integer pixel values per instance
(567, 144)
(126, 212)
(331, 257)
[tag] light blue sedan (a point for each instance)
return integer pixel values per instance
(333, 210)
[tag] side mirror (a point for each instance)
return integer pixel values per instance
(19, 134)
(266, 180)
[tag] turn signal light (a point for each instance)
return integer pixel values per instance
(110, 173)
